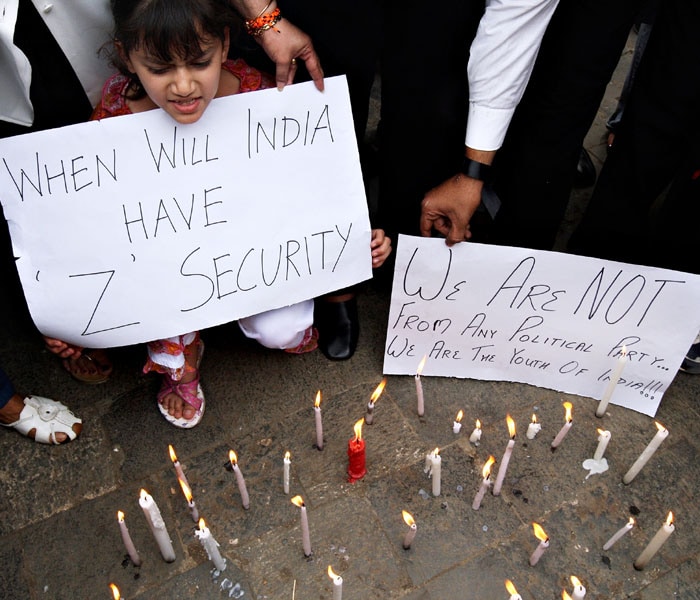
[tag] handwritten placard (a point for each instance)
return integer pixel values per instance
(136, 228)
(552, 320)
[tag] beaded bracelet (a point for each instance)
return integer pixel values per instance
(262, 23)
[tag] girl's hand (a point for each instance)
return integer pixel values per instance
(63, 349)
(380, 247)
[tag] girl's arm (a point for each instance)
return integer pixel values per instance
(380, 247)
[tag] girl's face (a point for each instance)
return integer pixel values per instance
(183, 88)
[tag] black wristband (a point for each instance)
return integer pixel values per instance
(476, 170)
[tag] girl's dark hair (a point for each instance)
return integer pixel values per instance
(168, 30)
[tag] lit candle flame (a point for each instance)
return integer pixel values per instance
(534, 418)
(669, 519)
(631, 522)
(565, 595)
(575, 581)
(202, 524)
(317, 402)
(659, 426)
(408, 518)
(378, 391)
(510, 588)
(459, 416)
(233, 458)
(421, 364)
(486, 471)
(436, 451)
(332, 574)
(358, 429)
(540, 533)
(511, 426)
(120, 516)
(567, 416)
(115, 591)
(287, 455)
(143, 494)
(600, 431)
(186, 490)
(298, 501)
(478, 424)
(173, 456)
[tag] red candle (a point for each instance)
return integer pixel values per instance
(356, 454)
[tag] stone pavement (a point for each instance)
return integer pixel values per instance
(60, 537)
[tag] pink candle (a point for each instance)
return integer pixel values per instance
(541, 547)
(618, 534)
(319, 421)
(245, 499)
(506, 457)
(305, 536)
(485, 482)
(568, 421)
(178, 467)
(126, 538)
(420, 406)
(413, 528)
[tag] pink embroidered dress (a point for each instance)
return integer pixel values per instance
(168, 356)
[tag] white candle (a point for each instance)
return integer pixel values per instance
(661, 435)
(176, 464)
(411, 533)
(305, 536)
(656, 542)
(434, 471)
(485, 482)
(618, 534)
(242, 489)
(337, 584)
(319, 421)
(457, 423)
(420, 406)
(157, 525)
(506, 457)
(512, 591)
(476, 434)
(287, 462)
(533, 428)
(541, 547)
(126, 538)
(603, 440)
(210, 545)
(614, 378)
(579, 592)
(568, 421)
(369, 417)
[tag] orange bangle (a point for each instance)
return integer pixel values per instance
(262, 23)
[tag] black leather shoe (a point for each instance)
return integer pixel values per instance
(585, 170)
(338, 328)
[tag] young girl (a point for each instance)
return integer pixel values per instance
(173, 55)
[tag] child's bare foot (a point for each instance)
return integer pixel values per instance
(182, 402)
(175, 405)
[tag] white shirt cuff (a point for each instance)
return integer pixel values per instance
(486, 127)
